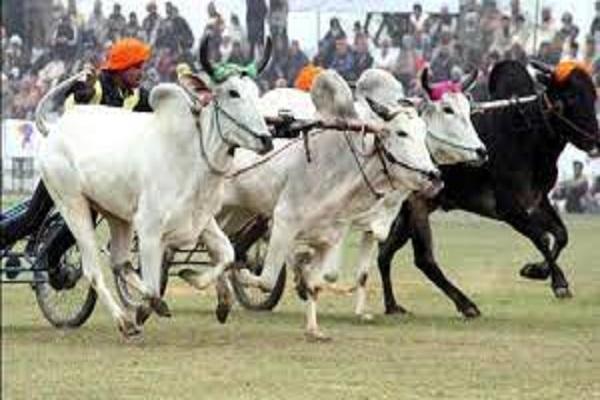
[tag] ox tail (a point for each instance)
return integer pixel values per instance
(45, 104)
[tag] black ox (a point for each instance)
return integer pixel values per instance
(524, 141)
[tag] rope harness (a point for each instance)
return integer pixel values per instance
(218, 109)
(546, 107)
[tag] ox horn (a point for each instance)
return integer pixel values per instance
(467, 82)
(264, 61)
(542, 66)
(425, 81)
(204, 61)
(382, 111)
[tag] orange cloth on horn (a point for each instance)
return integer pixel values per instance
(306, 77)
(126, 53)
(564, 69)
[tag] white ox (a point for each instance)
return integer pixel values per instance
(451, 138)
(316, 202)
(159, 173)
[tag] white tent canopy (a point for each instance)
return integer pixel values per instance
(363, 6)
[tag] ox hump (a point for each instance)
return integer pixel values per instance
(332, 96)
(168, 96)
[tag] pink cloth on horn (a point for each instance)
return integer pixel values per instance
(441, 88)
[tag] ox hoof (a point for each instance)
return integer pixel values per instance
(535, 271)
(129, 330)
(470, 312)
(222, 312)
(366, 317)
(331, 277)
(224, 299)
(142, 313)
(317, 336)
(396, 310)
(160, 307)
(562, 293)
(301, 288)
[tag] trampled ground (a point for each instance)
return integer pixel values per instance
(527, 345)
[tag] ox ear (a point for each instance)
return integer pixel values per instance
(469, 81)
(194, 82)
(425, 81)
(196, 87)
(382, 111)
(544, 79)
(542, 67)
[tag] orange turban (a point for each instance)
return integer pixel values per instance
(306, 77)
(126, 53)
(564, 69)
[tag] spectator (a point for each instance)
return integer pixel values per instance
(165, 64)
(471, 37)
(417, 19)
(441, 64)
(357, 30)
(572, 52)
(589, 55)
(422, 44)
(116, 23)
(328, 43)
(226, 47)
(213, 14)
(568, 32)
(95, 31)
(235, 31)
(503, 37)
(278, 15)
(593, 200)
(362, 58)
(385, 57)
(547, 30)
(15, 59)
(407, 63)
(444, 24)
(343, 59)
(281, 82)
(489, 23)
(65, 39)
(151, 23)
(182, 31)
(214, 30)
(296, 61)
(256, 12)
(521, 32)
(573, 190)
(517, 53)
(133, 28)
(237, 55)
(175, 33)
(595, 27)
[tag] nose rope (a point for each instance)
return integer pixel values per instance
(375, 193)
(383, 154)
(451, 144)
(218, 109)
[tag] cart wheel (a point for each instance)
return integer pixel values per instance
(71, 305)
(253, 298)
(129, 296)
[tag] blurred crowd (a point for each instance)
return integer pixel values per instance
(579, 194)
(478, 36)
(451, 44)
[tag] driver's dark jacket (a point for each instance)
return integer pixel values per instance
(106, 91)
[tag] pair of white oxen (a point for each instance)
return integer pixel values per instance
(167, 175)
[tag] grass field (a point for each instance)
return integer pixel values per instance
(527, 345)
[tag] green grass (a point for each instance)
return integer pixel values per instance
(527, 345)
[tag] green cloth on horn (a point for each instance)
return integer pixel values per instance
(225, 70)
